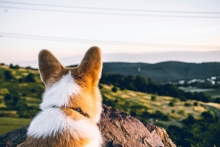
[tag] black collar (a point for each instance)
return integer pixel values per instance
(78, 109)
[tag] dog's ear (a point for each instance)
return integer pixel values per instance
(49, 67)
(90, 67)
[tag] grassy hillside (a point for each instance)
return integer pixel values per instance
(165, 71)
(21, 91)
(170, 110)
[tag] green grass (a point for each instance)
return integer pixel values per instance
(8, 124)
(128, 101)
(139, 102)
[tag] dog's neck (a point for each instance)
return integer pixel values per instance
(78, 109)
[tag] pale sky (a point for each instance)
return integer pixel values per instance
(116, 26)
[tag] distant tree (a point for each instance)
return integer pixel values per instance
(190, 120)
(153, 97)
(100, 86)
(195, 103)
(20, 80)
(217, 100)
(182, 112)
(21, 106)
(11, 66)
(207, 115)
(24, 94)
(145, 114)
(8, 75)
(133, 113)
(140, 83)
(114, 89)
(187, 104)
(30, 78)
(33, 90)
(14, 67)
(189, 95)
(15, 100)
(171, 103)
(7, 97)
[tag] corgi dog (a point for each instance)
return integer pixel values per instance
(71, 104)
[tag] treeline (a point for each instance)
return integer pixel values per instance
(7, 76)
(204, 132)
(12, 66)
(141, 84)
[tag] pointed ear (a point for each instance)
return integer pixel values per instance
(49, 67)
(90, 67)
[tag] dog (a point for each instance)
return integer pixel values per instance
(71, 105)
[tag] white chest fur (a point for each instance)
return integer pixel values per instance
(52, 121)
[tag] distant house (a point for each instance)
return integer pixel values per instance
(181, 82)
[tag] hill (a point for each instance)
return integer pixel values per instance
(21, 90)
(165, 71)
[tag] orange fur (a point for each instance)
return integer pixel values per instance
(87, 76)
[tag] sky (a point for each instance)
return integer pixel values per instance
(125, 30)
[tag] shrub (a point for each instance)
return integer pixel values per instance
(8, 75)
(153, 97)
(217, 100)
(187, 104)
(20, 80)
(160, 115)
(207, 115)
(171, 103)
(15, 100)
(24, 94)
(182, 112)
(190, 120)
(133, 113)
(195, 103)
(114, 89)
(7, 97)
(100, 86)
(33, 90)
(30, 78)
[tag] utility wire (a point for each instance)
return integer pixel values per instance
(106, 13)
(111, 9)
(75, 40)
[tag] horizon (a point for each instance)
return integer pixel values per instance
(153, 58)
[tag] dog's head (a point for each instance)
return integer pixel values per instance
(72, 87)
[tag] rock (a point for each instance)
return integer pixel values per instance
(118, 130)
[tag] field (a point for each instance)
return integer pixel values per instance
(212, 92)
(141, 103)
(134, 103)
(8, 124)
(21, 92)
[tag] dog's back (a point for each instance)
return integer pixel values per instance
(71, 104)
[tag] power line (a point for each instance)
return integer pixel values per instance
(111, 9)
(106, 13)
(76, 40)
